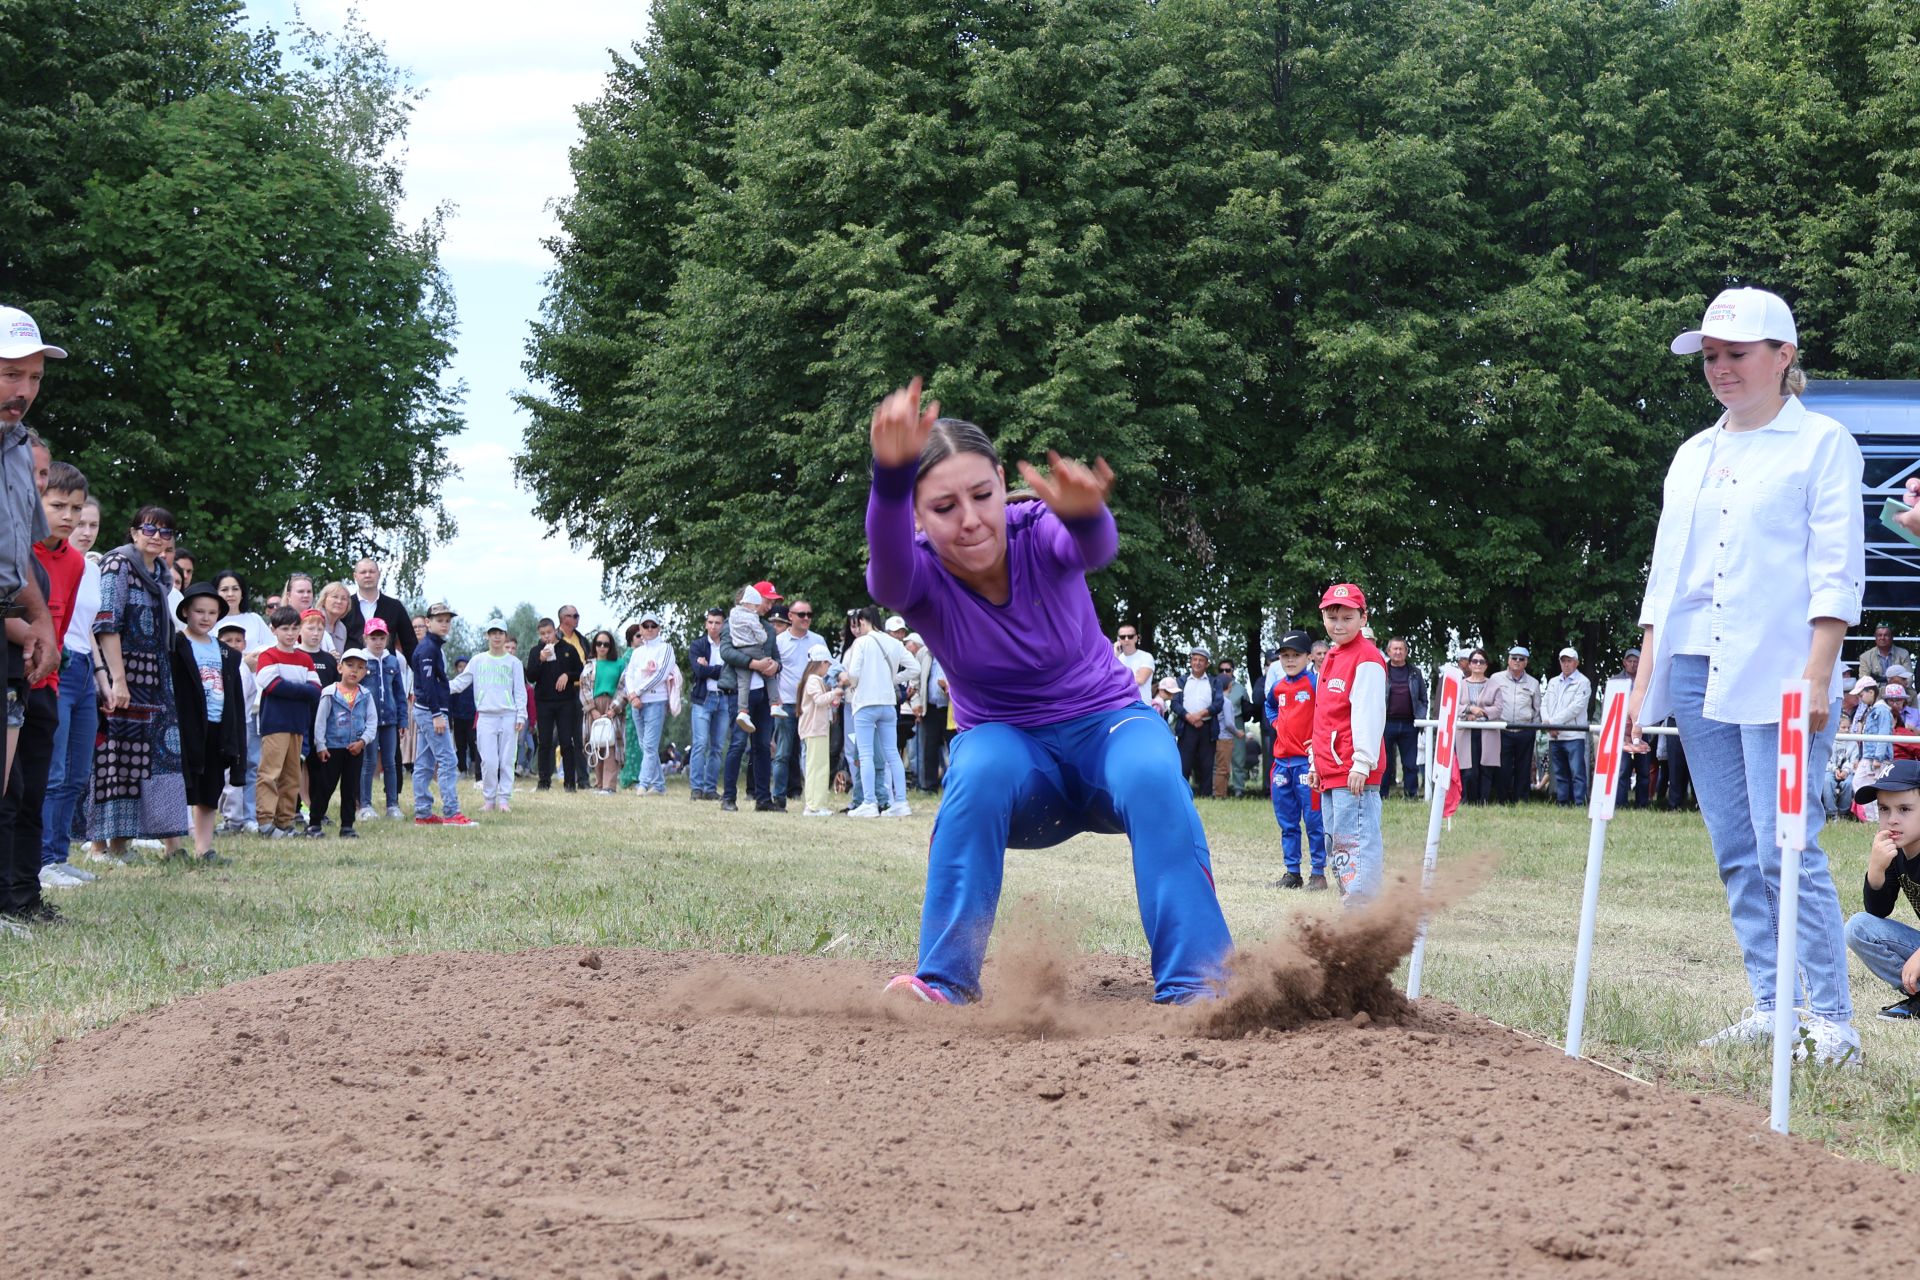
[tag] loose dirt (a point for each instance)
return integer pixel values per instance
(623, 1113)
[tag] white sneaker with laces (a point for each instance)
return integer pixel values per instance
(865, 811)
(1835, 1044)
(77, 873)
(366, 811)
(901, 810)
(745, 722)
(1755, 1024)
(56, 877)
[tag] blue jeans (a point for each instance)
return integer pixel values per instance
(878, 729)
(649, 718)
(72, 755)
(1114, 772)
(1569, 771)
(710, 722)
(1293, 808)
(389, 748)
(752, 747)
(1883, 945)
(1734, 768)
(851, 753)
(433, 755)
(1353, 835)
(786, 751)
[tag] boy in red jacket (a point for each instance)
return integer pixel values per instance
(1289, 713)
(1345, 757)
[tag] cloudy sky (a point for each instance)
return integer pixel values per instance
(491, 137)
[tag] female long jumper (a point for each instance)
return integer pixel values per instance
(1053, 738)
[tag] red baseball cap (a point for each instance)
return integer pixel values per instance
(766, 590)
(1345, 593)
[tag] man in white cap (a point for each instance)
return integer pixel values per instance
(1515, 698)
(23, 362)
(1566, 700)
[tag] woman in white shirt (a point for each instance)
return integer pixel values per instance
(1758, 569)
(874, 663)
(652, 676)
(232, 588)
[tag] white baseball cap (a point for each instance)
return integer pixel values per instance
(361, 654)
(20, 336)
(1741, 315)
(896, 623)
(1570, 652)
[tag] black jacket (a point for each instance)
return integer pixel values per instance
(545, 674)
(227, 740)
(706, 666)
(394, 614)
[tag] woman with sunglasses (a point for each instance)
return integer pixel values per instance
(1480, 748)
(139, 789)
(652, 684)
(603, 677)
(1053, 738)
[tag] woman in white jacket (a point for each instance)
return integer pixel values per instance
(1758, 568)
(874, 663)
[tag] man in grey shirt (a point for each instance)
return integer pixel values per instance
(23, 362)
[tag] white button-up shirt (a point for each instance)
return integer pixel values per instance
(1789, 547)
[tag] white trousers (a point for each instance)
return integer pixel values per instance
(497, 737)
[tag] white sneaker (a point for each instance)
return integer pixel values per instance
(77, 873)
(1835, 1044)
(56, 877)
(901, 810)
(816, 813)
(393, 811)
(745, 722)
(1756, 1024)
(366, 811)
(779, 711)
(107, 856)
(865, 811)
(149, 846)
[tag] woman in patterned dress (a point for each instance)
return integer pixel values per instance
(138, 787)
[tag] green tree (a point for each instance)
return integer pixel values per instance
(258, 341)
(1371, 291)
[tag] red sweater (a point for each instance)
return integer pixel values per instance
(64, 567)
(1290, 712)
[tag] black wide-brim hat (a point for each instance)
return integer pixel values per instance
(194, 592)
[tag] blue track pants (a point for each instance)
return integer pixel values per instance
(1294, 806)
(1115, 772)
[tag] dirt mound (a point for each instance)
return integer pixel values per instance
(676, 1115)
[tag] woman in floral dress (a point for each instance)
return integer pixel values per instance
(138, 787)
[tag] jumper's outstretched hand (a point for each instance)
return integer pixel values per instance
(1073, 489)
(901, 426)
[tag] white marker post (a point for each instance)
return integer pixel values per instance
(1606, 777)
(1439, 782)
(1790, 833)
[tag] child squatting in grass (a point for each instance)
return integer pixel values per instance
(1054, 739)
(1886, 946)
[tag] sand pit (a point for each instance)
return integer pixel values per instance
(684, 1115)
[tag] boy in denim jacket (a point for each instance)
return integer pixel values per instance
(345, 724)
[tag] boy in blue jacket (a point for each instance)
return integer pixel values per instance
(345, 723)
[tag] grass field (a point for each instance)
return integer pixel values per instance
(666, 874)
